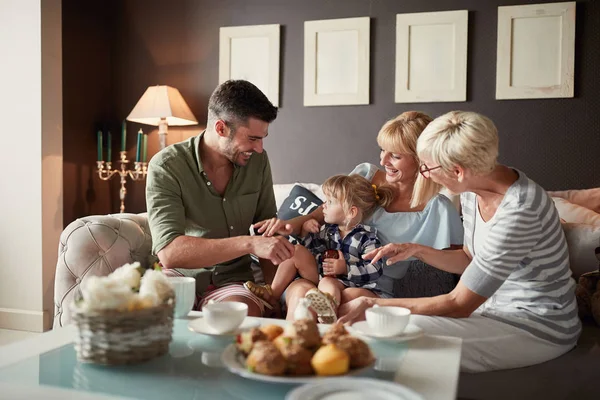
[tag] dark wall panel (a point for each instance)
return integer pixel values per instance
(555, 141)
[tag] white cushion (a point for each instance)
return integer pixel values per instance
(588, 198)
(582, 240)
(575, 213)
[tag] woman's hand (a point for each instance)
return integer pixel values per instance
(394, 252)
(335, 266)
(354, 310)
(270, 227)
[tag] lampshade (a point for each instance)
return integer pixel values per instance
(162, 102)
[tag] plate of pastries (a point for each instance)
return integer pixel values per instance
(297, 353)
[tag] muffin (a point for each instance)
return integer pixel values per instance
(246, 340)
(330, 360)
(334, 333)
(359, 352)
(272, 331)
(304, 332)
(266, 359)
(297, 357)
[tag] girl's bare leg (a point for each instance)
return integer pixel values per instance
(294, 293)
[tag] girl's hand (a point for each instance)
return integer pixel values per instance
(335, 266)
(310, 226)
(394, 252)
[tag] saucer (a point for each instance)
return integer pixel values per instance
(411, 332)
(200, 325)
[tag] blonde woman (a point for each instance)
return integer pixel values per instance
(416, 214)
(515, 304)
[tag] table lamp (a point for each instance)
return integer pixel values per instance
(162, 106)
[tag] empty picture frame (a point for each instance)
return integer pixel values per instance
(251, 53)
(336, 61)
(536, 51)
(431, 56)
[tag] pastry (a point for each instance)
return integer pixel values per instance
(246, 340)
(304, 332)
(298, 358)
(272, 331)
(330, 360)
(334, 333)
(266, 359)
(359, 352)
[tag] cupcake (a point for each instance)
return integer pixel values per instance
(359, 352)
(266, 359)
(330, 360)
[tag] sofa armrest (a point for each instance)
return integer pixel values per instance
(96, 246)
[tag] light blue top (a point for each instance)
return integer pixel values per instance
(437, 226)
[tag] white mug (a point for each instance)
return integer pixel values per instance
(226, 316)
(387, 321)
(185, 294)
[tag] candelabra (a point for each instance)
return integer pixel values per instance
(105, 172)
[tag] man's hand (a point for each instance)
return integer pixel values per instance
(335, 266)
(394, 252)
(269, 227)
(275, 249)
(354, 310)
(310, 226)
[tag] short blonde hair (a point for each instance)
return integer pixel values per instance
(400, 135)
(461, 138)
(355, 190)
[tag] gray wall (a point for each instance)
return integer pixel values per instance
(555, 141)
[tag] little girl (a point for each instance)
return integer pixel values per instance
(334, 251)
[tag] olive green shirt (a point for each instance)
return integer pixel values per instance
(181, 201)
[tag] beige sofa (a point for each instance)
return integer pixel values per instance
(96, 245)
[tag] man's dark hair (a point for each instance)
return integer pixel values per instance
(235, 101)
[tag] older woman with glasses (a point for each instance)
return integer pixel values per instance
(418, 214)
(515, 304)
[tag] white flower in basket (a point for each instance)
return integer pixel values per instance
(104, 293)
(156, 287)
(130, 274)
(119, 290)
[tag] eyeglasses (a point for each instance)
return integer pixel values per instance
(426, 171)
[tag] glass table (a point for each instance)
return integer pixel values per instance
(47, 365)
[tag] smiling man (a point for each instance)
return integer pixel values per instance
(203, 194)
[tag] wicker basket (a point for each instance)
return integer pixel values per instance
(123, 337)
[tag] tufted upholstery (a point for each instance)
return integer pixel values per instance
(96, 245)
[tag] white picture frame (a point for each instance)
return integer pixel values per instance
(536, 51)
(336, 61)
(431, 57)
(251, 53)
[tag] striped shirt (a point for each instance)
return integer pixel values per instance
(359, 241)
(522, 266)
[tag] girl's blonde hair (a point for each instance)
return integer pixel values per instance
(354, 190)
(400, 135)
(461, 138)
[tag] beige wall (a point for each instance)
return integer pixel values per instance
(31, 160)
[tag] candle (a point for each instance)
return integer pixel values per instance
(145, 151)
(100, 146)
(109, 145)
(124, 136)
(138, 149)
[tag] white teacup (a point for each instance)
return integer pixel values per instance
(226, 316)
(185, 294)
(387, 321)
